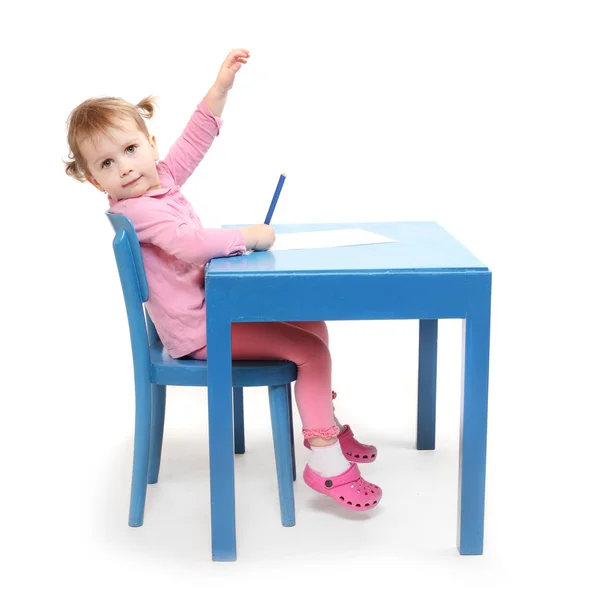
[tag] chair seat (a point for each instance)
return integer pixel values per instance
(245, 373)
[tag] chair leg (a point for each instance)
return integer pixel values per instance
(157, 428)
(428, 333)
(141, 452)
(238, 420)
(288, 391)
(280, 418)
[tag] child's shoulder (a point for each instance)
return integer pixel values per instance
(164, 174)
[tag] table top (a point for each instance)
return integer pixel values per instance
(419, 246)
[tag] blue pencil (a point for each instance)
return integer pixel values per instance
(275, 198)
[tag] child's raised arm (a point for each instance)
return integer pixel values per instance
(205, 123)
(217, 95)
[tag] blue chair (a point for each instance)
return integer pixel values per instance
(154, 369)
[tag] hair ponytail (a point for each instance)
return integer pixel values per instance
(147, 106)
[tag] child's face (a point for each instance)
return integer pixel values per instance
(125, 167)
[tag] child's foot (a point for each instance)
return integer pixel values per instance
(352, 449)
(348, 489)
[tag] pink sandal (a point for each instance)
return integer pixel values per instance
(348, 489)
(352, 448)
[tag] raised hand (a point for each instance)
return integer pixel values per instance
(233, 63)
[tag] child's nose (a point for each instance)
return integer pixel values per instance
(125, 171)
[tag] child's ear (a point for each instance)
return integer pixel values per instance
(94, 182)
(152, 141)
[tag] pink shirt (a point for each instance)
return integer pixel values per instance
(175, 246)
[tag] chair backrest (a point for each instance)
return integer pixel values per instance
(122, 223)
(128, 255)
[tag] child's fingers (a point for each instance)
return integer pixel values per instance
(239, 55)
(239, 52)
(234, 57)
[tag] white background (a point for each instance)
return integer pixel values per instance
(482, 116)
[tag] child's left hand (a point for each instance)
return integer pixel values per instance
(232, 64)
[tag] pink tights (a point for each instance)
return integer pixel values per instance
(307, 345)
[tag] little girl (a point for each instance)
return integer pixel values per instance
(109, 146)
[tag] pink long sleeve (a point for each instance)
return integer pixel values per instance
(193, 144)
(163, 222)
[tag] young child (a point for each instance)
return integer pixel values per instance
(109, 146)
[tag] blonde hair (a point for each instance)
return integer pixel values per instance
(94, 118)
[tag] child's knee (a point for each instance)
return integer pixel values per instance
(317, 349)
(319, 328)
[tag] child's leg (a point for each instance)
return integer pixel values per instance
(281, 341)
(318, 328)
(328, 471)
(353, 449)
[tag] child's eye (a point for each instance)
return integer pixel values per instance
(129, 149)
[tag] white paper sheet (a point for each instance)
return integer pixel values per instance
(327, 239)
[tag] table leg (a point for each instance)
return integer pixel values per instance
(473, 421)
(238, 420)
(220, 434)
(428, 334)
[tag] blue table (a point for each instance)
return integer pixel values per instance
(426, 274)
